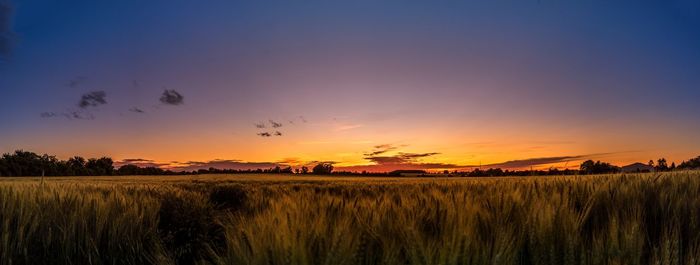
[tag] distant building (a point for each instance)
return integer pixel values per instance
(637, 167)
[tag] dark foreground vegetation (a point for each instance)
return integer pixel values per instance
(23, 164)
(217, 219)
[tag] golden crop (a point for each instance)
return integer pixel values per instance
(278, 219)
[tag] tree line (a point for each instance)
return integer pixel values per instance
(23, 163)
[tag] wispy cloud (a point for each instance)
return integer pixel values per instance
(531, 162)
(348, 127)
(539, 161)
(140, 162)
(224, 164)
(92, 99)
(382, 148)
(69, 114)
(137, 110)
(400, 158)
(383, 159)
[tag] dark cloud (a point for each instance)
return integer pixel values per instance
(404, 166)
(400, 158)
(380, 149)
(260, 125)
(93, 99)
(531, 162)
(278, 133)
(140, 162)
(137, 110)
(385, 163)
(275, 124)
(172, 97)
(264, 134)
(7, 36)
(225, 164)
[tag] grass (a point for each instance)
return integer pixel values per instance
(272, 219)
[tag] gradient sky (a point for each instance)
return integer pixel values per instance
(370, 85)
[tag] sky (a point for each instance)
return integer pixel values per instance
(366, 85)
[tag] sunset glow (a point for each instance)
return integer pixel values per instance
(366, 85)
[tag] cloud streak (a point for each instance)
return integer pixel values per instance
(140, 162)
(381, 162)
(224, 164)
(137, 110)
(400, 158)
(382, 148)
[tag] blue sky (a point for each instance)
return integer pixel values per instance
(435, 76)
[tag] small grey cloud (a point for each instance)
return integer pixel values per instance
(48, 114)
(78, 115)
(69, 114)
(137, 110)
(93, 99)
(260, 125)
(302, 119)
(172, 97)
(77, 81)
(264, 134)
(7, 36)
(278, 133)
(275, 124)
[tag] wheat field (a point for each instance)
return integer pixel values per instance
(291, 219)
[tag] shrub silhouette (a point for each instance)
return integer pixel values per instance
(323, 168)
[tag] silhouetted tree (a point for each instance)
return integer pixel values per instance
(276, 170)
(304, 170)
(77, 166)
(590, 167)
(693, 163)
(323, 168)
(128, 170)
(100, 167)
(661, 165)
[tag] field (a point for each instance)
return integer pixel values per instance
(278, 219)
